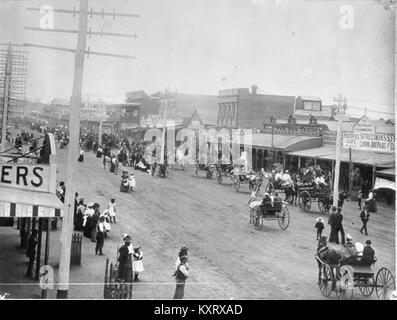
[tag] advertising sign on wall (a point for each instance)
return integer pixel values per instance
(364, 137)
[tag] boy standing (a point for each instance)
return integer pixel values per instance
(320, 227)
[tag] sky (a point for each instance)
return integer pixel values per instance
(292, 47)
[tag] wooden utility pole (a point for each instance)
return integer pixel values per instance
(166, 102)
(338, 144)
(74, 123)
(74, 129)
(6, 97)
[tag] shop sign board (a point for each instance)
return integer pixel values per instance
(295, 130)
(364, 137)
(34, 177)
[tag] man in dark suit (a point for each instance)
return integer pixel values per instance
(339, 226)
(368, 253)
(333, 222)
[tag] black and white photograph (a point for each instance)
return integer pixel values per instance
(197, 150)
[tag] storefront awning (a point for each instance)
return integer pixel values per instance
(22, 203)
(284, 142)
(387, 172)
(358, 156)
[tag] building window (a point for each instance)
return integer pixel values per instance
(312, 105)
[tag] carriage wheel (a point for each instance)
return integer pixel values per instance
(252, 215)
(283, 218)
(385, 284)
(305, 201)
(236, 184)
(258, 217)
(325, 282)
(322, 205)
(344, 287)
(369, 287)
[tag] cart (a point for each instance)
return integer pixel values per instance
(223, 170)
(308, 193)
(343, 279)
(278, 211)
(241, 177)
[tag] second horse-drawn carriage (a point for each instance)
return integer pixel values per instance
(308, 192)
(343, 278)
(253, 180)
(275, 210)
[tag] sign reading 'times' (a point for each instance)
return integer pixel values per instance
(36, 177)
(364, 137)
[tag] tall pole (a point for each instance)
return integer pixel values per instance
(6, 97)
(164, 127)
(337, 157)
(74, 129)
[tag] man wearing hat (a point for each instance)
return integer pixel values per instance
(369, 252)
(100, 236)
(320, 227)
(181, 274)
(182, 253)
(364, 216)
(333, 222)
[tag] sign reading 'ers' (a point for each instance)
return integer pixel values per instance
(37, 177)
(364, 137)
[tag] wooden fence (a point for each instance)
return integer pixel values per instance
(114, 288)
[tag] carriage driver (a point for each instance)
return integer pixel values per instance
(320, 182)
(279, 176)
(286, 177)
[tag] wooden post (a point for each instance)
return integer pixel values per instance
(373, 176)
(27, 234)
(284, 161)
(299, 163)
(47, 243)
(350, 172)
(74, 126)
(338, 146)
(105, 288)
(38, 258)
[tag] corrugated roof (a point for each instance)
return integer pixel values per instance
(310, 98)
(284, 142)
(387, 172)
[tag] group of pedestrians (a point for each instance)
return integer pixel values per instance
(130, 263)
(94, 224)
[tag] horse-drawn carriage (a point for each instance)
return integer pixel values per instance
(208, 168)
(223, 170)
(308, 192)
(342, 279)
(242, 177)
(272, 211)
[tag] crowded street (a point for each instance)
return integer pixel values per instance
(197, 150)
(229, 258)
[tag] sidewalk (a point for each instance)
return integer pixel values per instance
(13, 266)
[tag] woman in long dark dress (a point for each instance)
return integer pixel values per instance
(78, 226)
(88, 223)
(125, 261)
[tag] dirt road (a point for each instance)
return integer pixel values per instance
(229, 258)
